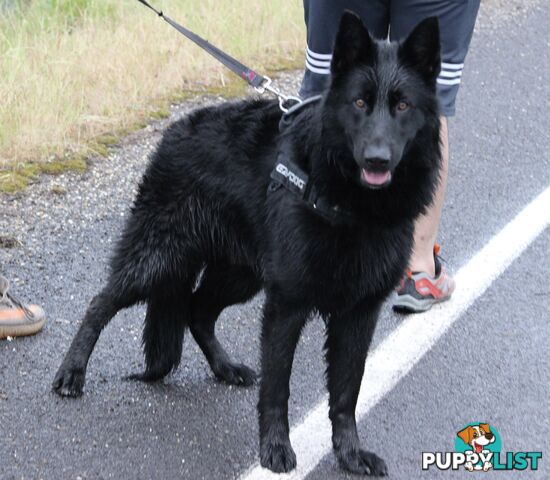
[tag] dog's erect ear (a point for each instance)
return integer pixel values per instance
(353, 44)
(466, 435)
(422, 49)
(485, 427)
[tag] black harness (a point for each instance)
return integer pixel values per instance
(290, 176)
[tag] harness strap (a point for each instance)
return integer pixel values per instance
(290, 176)
(252, 78)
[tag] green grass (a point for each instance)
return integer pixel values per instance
(76, 75)
(17, 178)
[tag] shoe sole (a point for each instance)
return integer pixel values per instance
(22, 329)
(409, 304)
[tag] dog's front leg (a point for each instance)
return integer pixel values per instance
(281, 329)
(348, 340)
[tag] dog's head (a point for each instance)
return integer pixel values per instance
(477, 436)
(381, 95)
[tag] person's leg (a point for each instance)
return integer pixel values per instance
(322, 18)
(456, 21)
(426, 227)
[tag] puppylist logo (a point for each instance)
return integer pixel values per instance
(478, 448)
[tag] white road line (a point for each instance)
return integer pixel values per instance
(414, 337)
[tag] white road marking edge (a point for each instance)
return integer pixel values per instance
(311, 438)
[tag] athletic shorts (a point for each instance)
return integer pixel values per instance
(394, 19)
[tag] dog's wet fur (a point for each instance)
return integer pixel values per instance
(204, 233)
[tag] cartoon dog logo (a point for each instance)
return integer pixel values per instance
(477, 436)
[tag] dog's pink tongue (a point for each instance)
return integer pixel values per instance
(375, 178)
(478, 448)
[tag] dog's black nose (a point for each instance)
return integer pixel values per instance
(489, 435)
(377, 163)
(377, 155)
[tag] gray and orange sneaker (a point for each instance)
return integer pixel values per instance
(418, 291)
(17, 319)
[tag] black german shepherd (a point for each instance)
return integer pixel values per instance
(206, 232)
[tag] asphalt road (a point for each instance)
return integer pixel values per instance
(492, 365)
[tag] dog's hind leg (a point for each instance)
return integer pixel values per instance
(221, 286)
(69, 380)
(168, 314)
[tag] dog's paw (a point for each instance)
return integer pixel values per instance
(279, 458)
(235, 374)
(363, 463)
(69, 382)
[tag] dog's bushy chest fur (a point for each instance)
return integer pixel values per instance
(332, 267)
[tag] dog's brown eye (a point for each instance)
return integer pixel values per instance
(402, 106)
(360, 103)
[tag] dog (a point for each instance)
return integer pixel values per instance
(477, 436)
(210, 228)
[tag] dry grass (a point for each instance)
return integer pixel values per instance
(75, 70)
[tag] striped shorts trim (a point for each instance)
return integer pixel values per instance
(320, 63)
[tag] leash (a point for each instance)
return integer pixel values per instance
(260, 83)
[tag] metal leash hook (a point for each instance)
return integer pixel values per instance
(283, 99)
